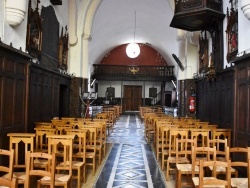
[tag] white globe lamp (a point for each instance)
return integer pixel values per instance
(132, 50)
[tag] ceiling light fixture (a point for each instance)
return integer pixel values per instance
(133, 49)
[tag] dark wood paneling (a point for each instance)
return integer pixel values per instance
(242, 100)
(14, 66)
(215, 99)
(45, 95)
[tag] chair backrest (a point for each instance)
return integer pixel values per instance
(206, 153)
(202, 136)
(16, 141)
(184, 148)
(222, 151)
(31, 171)
(41, 143)
(62, 146)
(239, 155)
(173, 135)
(9, 183)
(79, 142)
(7, 155)
(215, 182)
(223, 134)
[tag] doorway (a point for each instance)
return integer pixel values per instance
(132, 97)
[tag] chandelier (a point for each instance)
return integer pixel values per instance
(133, 49)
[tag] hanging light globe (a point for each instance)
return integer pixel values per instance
(132, 50)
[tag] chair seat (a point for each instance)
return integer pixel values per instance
(59, 178)
(239, 182)
(180, 160)
(222, 169)
(77, 163)
(20, 177)
(186, 168)
(196, 182)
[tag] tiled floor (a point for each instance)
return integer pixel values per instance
(131, 162)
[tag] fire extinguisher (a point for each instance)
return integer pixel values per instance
(192, 101)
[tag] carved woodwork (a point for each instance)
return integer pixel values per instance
(122, 73)
(203, 52)
(195, 15)
(232, 31)
(63, 50)
(34, 32)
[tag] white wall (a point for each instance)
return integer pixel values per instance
(118, 85)
(244, 31)
(17, 35)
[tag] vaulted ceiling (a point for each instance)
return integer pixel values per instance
(116, 21)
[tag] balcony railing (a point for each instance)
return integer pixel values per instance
(126, 72)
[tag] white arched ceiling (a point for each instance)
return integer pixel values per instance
(113, 25)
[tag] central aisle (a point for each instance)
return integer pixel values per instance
(131, 162)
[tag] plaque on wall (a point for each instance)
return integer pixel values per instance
(152, 92)
(110, 92)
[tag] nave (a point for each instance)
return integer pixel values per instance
(130, 162)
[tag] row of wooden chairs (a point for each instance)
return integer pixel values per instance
(208, 157)
(83, 141)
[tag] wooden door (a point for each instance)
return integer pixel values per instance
(132, 97)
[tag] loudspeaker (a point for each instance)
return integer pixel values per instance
(96, 87)
(178, 62)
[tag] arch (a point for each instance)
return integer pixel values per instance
(148, 57)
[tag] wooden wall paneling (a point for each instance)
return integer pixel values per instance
(45, 95)
(227, 102)
(14, 70)
(215, 99)
(242, 111)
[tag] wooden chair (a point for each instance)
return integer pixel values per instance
(222, 134)
(158, 140)
(99, 139)
(171, 160)
(242, 182)
(164, 145)
(21, 143)
(7, 170)
(241, 153)
(213, 181)
(201, 135)
(11, 183)
(31, 171)
(208, 153)
(184, 160)
(240, 157)
(222, 152)
(91, 147)
(62, 146)
(43, 125)
(41, 142)
(79, 156)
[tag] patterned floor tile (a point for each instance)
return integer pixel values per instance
(131, 162)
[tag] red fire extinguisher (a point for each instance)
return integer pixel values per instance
(192, 102)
